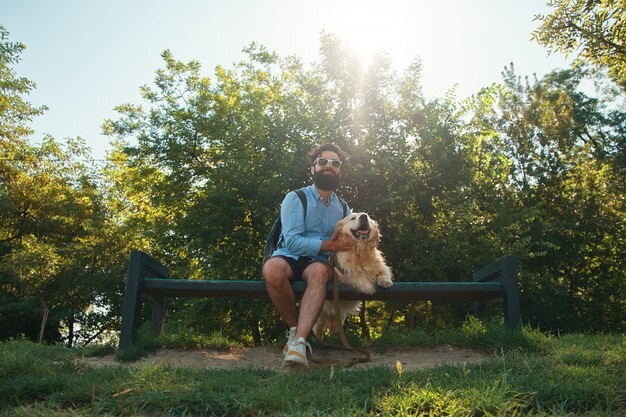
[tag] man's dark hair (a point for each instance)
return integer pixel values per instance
(315, 152)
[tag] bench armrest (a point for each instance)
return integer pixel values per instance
(505, 270)
(500, 270)
(141, 264)
(149, 266)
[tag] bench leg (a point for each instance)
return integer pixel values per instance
(512, 316)
(479, 309)
(158, 315)
(132, 299)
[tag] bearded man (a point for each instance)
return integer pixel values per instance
(305, 250)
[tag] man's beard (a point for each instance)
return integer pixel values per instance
(325, 180)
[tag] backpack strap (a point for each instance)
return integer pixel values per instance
(345, 207)
(302, 197)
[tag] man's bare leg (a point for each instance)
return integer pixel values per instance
(316, 276)
(277, 275)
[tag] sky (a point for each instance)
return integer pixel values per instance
(86, 57)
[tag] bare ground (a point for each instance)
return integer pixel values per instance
(271, 358)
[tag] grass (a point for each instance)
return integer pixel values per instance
(531, 374)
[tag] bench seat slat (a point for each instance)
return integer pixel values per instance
(443, 291)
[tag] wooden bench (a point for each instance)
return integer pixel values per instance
(149, 279)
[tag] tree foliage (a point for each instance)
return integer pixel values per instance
(563, 147)
(50, 210)
(594, 30)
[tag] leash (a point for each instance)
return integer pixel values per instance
(364, 355)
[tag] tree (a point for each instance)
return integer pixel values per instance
(595, 30)
(569, 211)
(49, 207)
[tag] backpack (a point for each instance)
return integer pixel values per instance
(273, 240)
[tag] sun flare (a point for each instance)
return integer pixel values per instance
(370, 27)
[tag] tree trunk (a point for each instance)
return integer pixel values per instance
(44, 319)
(256, 333)
(70, 332)
(365, 331)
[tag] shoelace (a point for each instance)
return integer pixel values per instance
(306, 345)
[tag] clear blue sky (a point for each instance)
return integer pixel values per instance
(88, 56)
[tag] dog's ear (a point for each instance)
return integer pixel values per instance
(338, 229)
(375, 230)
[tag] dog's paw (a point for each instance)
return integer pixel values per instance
(385, 283)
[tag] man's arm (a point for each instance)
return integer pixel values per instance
(292, 218)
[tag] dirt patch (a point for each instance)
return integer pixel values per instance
(271, 358)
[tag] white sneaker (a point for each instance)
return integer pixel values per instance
(290, 334)
(296, 353)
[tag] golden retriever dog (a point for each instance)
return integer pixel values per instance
(362, 268)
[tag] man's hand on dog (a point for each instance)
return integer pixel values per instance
(338, 244)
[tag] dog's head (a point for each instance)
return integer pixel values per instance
(360, 227)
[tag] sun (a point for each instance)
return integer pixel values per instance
(369, 27)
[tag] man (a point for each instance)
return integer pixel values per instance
(304, 254)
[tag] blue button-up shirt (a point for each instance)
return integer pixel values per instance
(303, 236)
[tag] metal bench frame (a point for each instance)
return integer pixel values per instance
(148, 278)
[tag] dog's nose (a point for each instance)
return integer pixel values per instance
(363, 216)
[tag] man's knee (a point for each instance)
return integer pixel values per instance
(276, 271)
(317, 273)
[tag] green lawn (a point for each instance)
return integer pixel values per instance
(531, 374)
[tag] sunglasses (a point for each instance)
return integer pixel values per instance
(324, 161)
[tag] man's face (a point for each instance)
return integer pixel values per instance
(325, 175)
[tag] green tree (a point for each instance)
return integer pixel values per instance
(594, 30)
(49, 206)
(562, 147)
